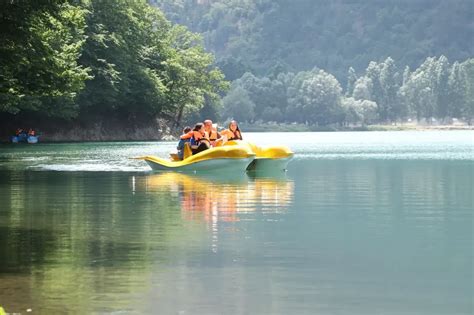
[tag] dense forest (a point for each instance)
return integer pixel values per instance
(435, 92)
(111, 65)
(272, 36)
(120, 64)
(324, 62)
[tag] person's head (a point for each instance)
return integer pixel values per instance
(186, 129)
(208, 124)
(233, 126)
(199, 127)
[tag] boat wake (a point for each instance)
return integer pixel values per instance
(89, 167)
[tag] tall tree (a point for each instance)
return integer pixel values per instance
(468, 110)
(39, 47)
(351, 80)
(315, 98)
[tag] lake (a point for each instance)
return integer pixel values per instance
(361, 223)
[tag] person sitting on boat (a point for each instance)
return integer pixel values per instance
(18, 132)
(31, 132)
(183, 139)
(212, 133)
(233, 133)
(199, 139)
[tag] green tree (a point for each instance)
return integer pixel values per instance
(419, 90)
(456, 89)
(315, 97)
(359, 111)
(468, 110)
(238, 105)
(441, 88)
(40, 44)
(351, 80)
(143, 66)
(363, 89)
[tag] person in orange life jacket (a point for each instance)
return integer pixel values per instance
(182, 141)
(233, 133)
(214, 136)
(199, 139)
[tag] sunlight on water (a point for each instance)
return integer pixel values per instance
(115, 156)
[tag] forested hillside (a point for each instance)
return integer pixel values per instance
(268, 36)
(324, 62)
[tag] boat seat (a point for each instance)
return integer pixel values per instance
(174, 157)
(187, 150)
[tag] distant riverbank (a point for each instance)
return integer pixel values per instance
(162, 132)
(269, 127)
(74, 132)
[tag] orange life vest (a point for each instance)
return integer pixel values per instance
(231, 135)
(213, 135)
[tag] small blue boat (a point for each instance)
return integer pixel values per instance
(32, 139)
(22, 137)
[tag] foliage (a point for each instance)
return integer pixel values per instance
(39, 48)
(333, 35)
(238, 105)
(467, 110)
(101, 60)
(436, 89)
(315, 97)
(359, 111)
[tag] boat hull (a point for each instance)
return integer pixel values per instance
(32, 139)
(228, 159)
(268, 159)
(213, 165)
(269, 165)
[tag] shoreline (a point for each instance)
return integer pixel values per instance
(151, 134)
(304, 128)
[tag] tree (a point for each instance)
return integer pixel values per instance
(351, 80)
(390, 83)
(456, 90)
(359, 111)
(419, 90)
(238, 105)
(363, 89)
(143, 66)
(315, 97)
(441, 88)
(41, 42)
(468, 109)
(272, 114)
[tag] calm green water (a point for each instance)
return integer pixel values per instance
(362, 223)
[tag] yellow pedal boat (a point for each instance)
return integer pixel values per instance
(224, 158)
(269, 159)
(233, 156)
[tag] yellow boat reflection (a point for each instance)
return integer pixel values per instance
(222, 198)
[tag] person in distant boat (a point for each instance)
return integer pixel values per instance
(31, 132)
(212, 133)
(19, 131)
(233, 133)
(183, 139)
(199, 139)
